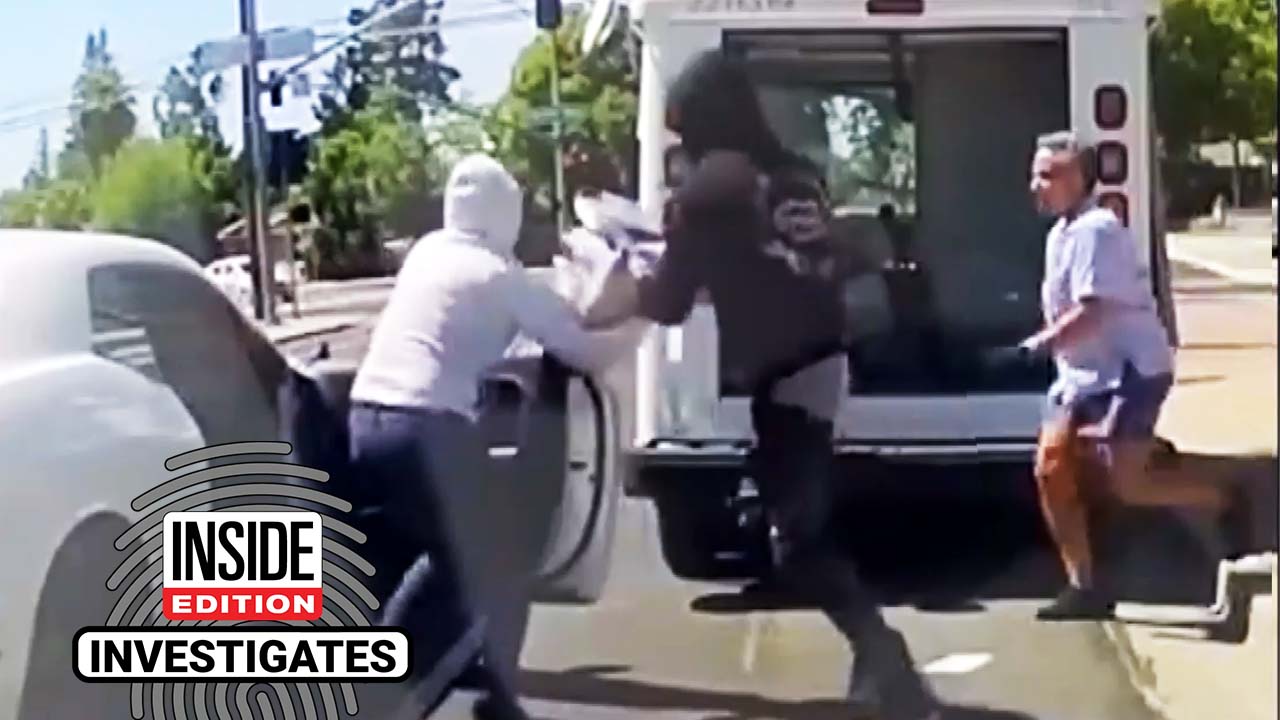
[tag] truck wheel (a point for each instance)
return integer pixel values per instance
(707, 532)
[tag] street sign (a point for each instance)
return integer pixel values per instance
(282, 43)
(218, 55)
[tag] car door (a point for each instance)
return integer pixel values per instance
(224, 373)
(554, 432)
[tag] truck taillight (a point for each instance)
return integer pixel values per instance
(1116, 203)
(895, 7)
(1110, 107)
(1113, 163)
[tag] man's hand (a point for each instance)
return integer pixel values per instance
(618, 299)
(1035, 345)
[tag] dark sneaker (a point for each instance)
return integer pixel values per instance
(498, 708)
(1078, 604)
(884, 683)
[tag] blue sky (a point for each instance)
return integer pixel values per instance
(45, 43)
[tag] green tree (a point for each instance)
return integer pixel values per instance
(155, 189)
(185, 112)
(1214, 69)
(405, 50)
(455, 132)
(20, 208)
(365, 181)
(46, 201)
(40, 173)
(600, 94)
(182, 108)
(66, 205)
(57, 205)
(102, 118)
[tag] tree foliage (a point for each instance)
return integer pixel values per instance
(182, 108)
(185, 112)
(102, 117)
(405, 50)
(155, 189)
(1214, 67)
(19, 209)
(600, 91)
(365, 175)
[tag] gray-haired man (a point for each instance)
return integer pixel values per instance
(1114, 371)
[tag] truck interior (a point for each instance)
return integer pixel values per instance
(926, 138)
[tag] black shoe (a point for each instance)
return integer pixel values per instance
(493, 707)
(1078, 604)
(475, 677)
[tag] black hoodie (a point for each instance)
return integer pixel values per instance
(775, 315)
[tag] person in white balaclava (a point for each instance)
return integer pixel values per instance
(459, 301)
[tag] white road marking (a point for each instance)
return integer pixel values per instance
(752, 644)
(958, 664)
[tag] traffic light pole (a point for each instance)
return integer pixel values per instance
(557, 130)
(264, 298)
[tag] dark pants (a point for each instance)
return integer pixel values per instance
(439, 498)
(793, 465)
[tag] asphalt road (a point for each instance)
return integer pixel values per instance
(959, 556)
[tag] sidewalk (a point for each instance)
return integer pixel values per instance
(327, 307)
(291, 329)
(1245, 258)
(1223, 406)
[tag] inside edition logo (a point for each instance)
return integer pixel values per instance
(267, 591)
(242, 566)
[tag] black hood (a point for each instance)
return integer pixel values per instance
(717, 108)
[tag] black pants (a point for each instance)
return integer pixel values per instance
(793, 465)
(441, 503)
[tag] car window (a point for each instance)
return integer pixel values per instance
(174, 328)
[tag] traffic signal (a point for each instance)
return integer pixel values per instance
(276, 89)
(548, 14)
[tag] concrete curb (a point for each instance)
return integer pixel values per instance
(1252, 279)
(1138, 669)
(287, 334)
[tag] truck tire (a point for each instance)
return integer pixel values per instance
(702, 530)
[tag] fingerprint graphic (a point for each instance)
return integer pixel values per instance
(246, 486)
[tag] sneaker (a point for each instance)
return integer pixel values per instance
(492, 707)
(1078, 604)
(889, 687)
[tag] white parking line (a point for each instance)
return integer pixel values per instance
(958, 664)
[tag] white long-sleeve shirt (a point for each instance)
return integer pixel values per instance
(460, 300)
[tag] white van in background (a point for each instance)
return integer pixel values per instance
(926, 112)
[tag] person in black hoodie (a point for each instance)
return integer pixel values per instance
(749, 225)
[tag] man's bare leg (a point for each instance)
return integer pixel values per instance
(1134, 481)
(1062, 500)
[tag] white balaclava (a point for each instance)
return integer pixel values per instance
(483, 202)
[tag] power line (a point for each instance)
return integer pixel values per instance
(42, 116)
(491, 14)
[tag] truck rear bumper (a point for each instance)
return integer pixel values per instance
(729, 455)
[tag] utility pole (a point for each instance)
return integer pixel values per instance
(547, 16)
(264, 298)
(557, 131)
